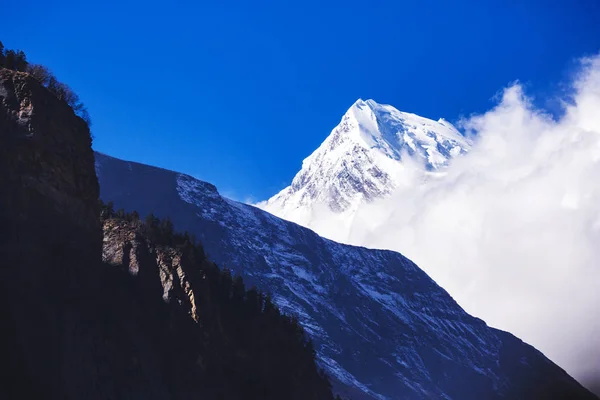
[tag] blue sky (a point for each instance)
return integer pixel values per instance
(239, 93)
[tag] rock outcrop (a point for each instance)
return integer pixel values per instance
(162, 270)
(46, 163)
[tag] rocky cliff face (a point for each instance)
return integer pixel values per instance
(161, 270)
(46, 162)
(50, 234)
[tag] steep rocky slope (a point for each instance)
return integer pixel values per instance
(380, 325)
(50, 232)
(147, 322)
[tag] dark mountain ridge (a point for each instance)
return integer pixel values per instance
(119, 309)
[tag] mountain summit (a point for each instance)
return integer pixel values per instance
(374, 149)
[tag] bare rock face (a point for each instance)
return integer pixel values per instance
(50, 243)
(160, 269)
(46, 166)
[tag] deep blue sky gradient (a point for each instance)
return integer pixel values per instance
(238, 93)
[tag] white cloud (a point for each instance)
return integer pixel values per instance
(513, 230)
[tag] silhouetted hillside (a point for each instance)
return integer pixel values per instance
(138, 314)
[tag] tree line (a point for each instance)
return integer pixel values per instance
(16, 60)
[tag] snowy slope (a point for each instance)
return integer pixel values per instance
(374, 150)
(381, 327)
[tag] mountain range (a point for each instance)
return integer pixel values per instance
(98, 303)
(501, 213)
(382, 328)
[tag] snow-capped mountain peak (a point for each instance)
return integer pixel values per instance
(374, 149)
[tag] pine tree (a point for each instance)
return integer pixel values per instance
(9, 59)
(238, 289)
(21, 61)
(253, 300)
(106, 210)
(166, 230)
(270, 308)
(1, 55)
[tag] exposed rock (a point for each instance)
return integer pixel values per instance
(46, 160)
(125, 247)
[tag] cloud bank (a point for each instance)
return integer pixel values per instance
(512, 231)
